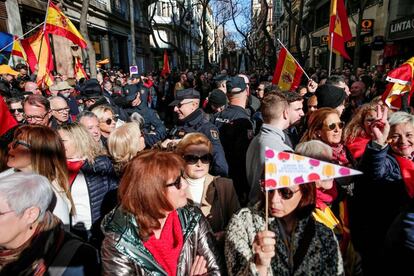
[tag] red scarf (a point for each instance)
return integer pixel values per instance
(73, 169)
(339, 155)
(325, 197)
(407, 173)
(357, 146)
(166, 250)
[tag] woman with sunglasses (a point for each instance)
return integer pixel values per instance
(215, 196)
(92, 181)
(107, 121)
(153, 230)
(295, 243)
(38, 149)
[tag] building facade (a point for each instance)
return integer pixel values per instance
(108, 27)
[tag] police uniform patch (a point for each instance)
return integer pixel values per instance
(214, 134)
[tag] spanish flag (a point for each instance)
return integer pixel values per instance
(58, 24)
(33, 46)
(400, 82)
(79, 71)
(288, 73)
(17, 50)
(339, 28)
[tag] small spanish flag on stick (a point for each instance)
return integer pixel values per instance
(288, 72)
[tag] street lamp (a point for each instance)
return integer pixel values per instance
(189, 23)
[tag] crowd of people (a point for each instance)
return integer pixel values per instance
(163, 175)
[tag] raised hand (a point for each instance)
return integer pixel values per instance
(312, 86)
(380, 128)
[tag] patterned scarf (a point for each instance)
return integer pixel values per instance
(36, 254)
(339, 155)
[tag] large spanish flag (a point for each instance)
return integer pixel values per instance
(400, 82)
(287, 73)
(339, 28)
(33, 46)
(58, 24)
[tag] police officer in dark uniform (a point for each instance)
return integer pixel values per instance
(191, 118)
(236, 132)
(153, 127)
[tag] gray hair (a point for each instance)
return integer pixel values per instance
(137, 118)
(86, 113)
(24, 190)
(315, 149)
(401, 117)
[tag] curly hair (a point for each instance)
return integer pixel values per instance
(355, 127)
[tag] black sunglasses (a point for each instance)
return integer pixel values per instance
(332, 126)
(20, 110)
(109, 121)
(285, 193)
(178, 182)
(193, 159)
(15, 143)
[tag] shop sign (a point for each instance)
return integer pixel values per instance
(365, 40)
(367, 26)
(402, 28)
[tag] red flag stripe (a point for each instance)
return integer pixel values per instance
(56, 30)
(279, 66)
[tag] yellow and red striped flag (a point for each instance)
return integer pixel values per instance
(400, 82)
(339, 28)
(79, 71)
(17, 49)
(58, 24)
(33, 45)
(288, 73)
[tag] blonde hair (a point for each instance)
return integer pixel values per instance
(123, 144)
(100, 110)
(355, 127)
(84, 143)
(195, 138)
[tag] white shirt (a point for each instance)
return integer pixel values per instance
(80, 196)
(196, 188)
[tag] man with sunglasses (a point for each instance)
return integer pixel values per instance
(16, 109)
(191, 118)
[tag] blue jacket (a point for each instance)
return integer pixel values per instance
(102, 183)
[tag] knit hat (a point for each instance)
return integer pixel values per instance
(330, 96)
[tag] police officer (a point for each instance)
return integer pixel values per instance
(192, 119)
(236, 132)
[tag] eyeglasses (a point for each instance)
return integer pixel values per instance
(181, 104)
(61, 110)
(286, 193)
(15, 143)
(333, 126)
(193, 159)
(109, 120)
(4, 213)
(35, 117)
(13, 110)
(178, 182)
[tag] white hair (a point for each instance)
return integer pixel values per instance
(315, 149)
(24, 190)
(401, 117)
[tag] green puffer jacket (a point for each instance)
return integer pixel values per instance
(123, 252)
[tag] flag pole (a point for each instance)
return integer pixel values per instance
(306, 75)
(41, 40)
(267, 210)
(20, 37)
(330, 53)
